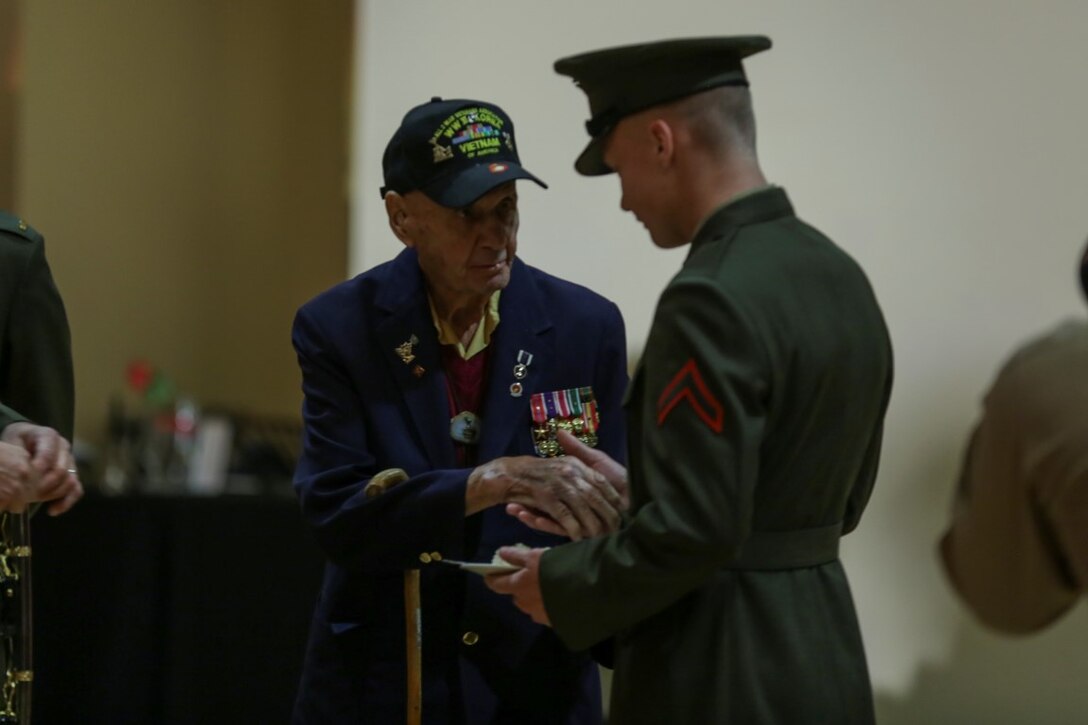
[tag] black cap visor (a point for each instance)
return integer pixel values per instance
(461, 189)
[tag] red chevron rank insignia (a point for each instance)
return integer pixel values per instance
(688, 385)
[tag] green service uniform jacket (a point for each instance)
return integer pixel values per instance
(36, 376)
(754, 431)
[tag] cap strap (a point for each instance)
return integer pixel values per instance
(603, 122)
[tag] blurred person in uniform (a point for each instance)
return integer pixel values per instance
(754, 420)
(446, 370)
(1016, 550)
(36, 462)
(36, 378)
(35, 345)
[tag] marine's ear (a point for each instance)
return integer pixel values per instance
(664, 139)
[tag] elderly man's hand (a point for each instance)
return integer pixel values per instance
(569, 497)
(524, 584)
(599, 461)
(54, 469)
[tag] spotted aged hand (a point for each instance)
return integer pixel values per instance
(570, 497)
(524, 584)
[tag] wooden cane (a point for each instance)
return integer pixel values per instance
(413, 637)
(413, 624)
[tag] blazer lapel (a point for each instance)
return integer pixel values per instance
(416, 366)
(523, 322)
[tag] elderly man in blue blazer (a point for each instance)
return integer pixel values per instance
(448, 371)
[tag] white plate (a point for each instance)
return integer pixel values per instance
(483, 568)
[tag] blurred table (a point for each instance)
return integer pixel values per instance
(171, 610)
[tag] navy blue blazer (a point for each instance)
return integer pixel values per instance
(365, 410)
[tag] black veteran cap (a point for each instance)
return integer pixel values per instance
(453, 151)
(630, 78)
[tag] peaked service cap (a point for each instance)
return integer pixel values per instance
(626, 79)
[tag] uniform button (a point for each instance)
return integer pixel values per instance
(470, 638)
(435, 556)
(425, 558)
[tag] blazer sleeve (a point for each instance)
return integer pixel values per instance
(388, 532)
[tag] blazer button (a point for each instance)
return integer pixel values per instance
(435, 556)
(425, 558)
(470, 638)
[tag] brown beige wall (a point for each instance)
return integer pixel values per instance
(186, 162)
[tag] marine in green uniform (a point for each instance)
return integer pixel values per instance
(754, 421)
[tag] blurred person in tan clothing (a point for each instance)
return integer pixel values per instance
(1016, 550)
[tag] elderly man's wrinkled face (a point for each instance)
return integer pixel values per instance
(464, 253)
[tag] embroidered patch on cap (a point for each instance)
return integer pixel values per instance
(688, 384)
(471, 132)
(497, 168)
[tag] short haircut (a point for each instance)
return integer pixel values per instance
(721, 120)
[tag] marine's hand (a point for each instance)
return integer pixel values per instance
(524, 584)
(599, 461)
(52, 461)
(580, 501)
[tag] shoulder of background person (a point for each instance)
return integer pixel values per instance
(16, 227)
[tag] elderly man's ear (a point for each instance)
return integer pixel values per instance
(396, 208)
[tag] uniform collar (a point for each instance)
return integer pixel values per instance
(748, 207)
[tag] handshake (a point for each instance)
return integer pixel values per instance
(580, 495)
(36, 464)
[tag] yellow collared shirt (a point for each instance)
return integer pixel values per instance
(480, 339)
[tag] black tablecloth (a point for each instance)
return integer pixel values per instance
(171, 610)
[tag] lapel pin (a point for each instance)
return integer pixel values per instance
(521, 369)
(404, 350)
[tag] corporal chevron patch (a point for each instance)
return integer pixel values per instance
(688, 385)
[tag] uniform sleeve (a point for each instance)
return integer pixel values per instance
(699, 427)
(8, 416)
(37, 353)
(863, 485)
(998, 552)
(387, 532)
